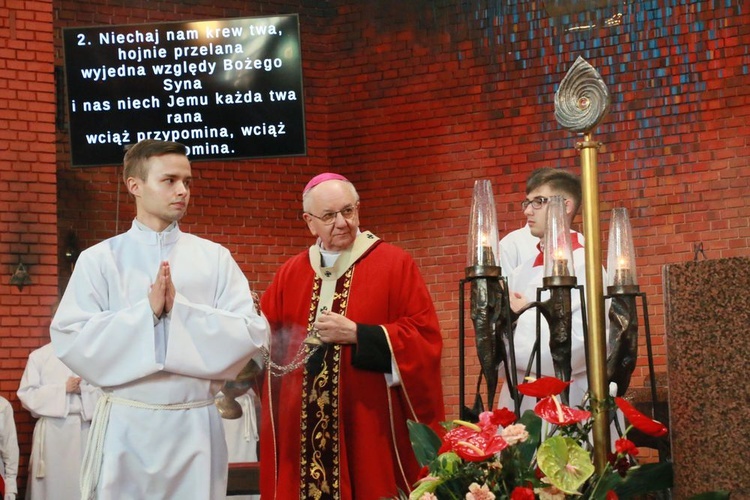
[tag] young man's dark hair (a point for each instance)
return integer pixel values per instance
(559, 180)
(135, 164)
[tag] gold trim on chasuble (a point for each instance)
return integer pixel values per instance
(320, 457)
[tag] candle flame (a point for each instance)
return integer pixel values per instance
(484, 238)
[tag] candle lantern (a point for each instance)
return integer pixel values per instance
(621, 271)
(558, 255)
(483, 244)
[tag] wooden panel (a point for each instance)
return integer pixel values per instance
(244, 479)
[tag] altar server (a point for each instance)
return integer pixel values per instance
(63, 403)
(8, 451)
(242, 436)
(158, 319)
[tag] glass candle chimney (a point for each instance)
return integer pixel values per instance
(558, 255)
(483, 244)
(620, 251)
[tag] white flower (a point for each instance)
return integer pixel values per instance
(515, 433)
(477, 492)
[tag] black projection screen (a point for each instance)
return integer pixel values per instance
(228, 88)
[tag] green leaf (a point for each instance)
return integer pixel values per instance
(605, 484)
(646, 478)
(424, 441)
(424, 487)
(533, 424)
(452, 490)
(565, 463)
(447, 464)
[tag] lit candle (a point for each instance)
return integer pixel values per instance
(623, 275)
(486, 256)
(560, 264)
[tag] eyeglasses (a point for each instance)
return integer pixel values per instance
(329, 218)
(536, 203)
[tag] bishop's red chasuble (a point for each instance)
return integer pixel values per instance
(334, 423)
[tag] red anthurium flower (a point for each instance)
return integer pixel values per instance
(543, 387)
(625, 446)
(551, 410)
(472, 442)
(640, 421)
(611, 495)
(502, 417)
(460, 433)
(520, 493)
(479, 447)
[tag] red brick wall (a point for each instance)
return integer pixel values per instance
(414, 101)
(243, 205)
(28, 197)
(426, 99)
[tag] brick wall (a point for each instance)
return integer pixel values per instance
(428, 97)
(28, 196)
(414, 101)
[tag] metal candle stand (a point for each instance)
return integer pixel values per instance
(556, 310)
(486, 282)
(623, 335)
(581, 102)
(558, 313)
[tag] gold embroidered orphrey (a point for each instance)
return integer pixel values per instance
(319, 438)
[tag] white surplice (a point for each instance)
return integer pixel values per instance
(8, 448)
(105, 331)
(61, 429)
(516, 247)
(242, 436)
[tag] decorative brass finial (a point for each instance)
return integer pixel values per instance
(582, 100)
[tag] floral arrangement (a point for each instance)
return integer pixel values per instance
(500, 457)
